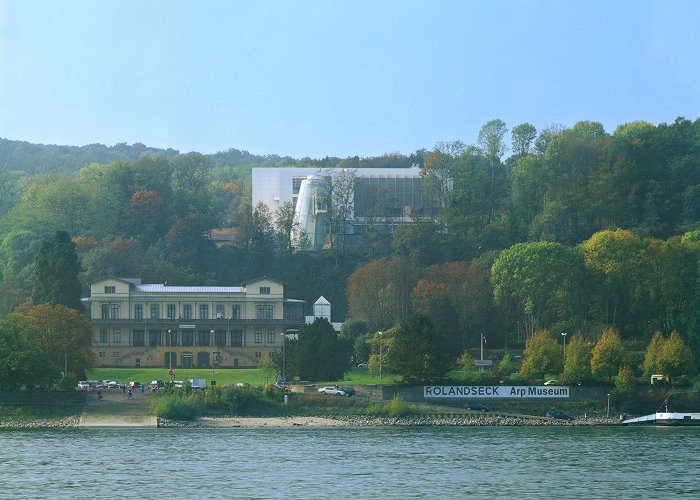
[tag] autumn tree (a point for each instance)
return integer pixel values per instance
(577, 364)
(542, 355)
(625, 384)
(650, 365)
(608, 355)
(62, 334)
(56, 273)
(675, 357)
(149, 216)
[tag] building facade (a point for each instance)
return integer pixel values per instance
(156, 325)
(385, 196)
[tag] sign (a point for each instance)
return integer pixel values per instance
(185, 327)
(495, 391)
(483, 362)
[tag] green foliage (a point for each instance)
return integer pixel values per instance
(650, 365)
(625, 384)
(176, 405)
(608, 354)
(415, 352)
(675, 358)
(542, 355)
(466, 364)
(68, 382)
(318, 354)
(577, 365)
(56, 273)
(396, 407)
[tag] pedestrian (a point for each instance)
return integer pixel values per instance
(129, 392)
(143, 388)
(124, 390)
(99, 394)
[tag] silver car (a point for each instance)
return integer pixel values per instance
(332, 390)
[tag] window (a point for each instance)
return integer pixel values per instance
(115, 354)
(186, 359)
(270, 336)
(138, 311)
(187, 311)
(137, 338)
(154, 338)
(258, 354)
(116, 336)
(203, 337)
(105, 311)
(103, 354)
(110, 289)
(264, 290)
(103, 337)
(155, 311)
(114, 311)
(188, 338)
(258, 337)
(171, 311)
(236, 311)
(219, 311)
(171, 338)
(236, 338)
(220, 338)
(203, 311)
(264, 311)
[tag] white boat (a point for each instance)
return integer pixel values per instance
(665, 417)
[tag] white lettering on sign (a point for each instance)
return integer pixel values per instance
(495, 391)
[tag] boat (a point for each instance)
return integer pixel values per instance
(666, 418)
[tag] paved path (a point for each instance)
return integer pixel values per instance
(117, 410)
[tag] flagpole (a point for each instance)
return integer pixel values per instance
(481, 366)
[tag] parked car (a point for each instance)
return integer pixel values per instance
(83, 385)
(134, 385)
(113, 384)
(330, 389)
(362, 365)
(551, 382)
(473, 405)
(349, 390)
(156, 384)
(558, 414)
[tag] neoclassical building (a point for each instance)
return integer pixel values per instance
(157, 325)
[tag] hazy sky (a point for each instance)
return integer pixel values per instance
(337, 78)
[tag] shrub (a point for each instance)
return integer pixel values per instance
(176, 406)
(68, 382)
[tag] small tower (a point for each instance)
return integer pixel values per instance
(322, 308)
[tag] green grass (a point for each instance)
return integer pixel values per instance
(252, 376)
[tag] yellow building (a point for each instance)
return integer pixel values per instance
(154, 325)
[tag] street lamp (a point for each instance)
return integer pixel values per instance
(563, 334)
(608, 414)
(213, 364)
(380, 357)
(169, 341)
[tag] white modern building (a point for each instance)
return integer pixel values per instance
(387, 196)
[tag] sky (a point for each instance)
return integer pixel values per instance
(337, 78)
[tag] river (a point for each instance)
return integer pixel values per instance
(359, 463)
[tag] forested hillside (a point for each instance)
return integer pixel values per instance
(563, 228)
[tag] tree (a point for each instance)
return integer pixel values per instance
(625, 384)
(268, 368)
(318, 353)
(284, 220)
(466, 364)
(650, 365)
(542, 355)
(56, 273)
(337, 195)
(523, 137)
(577, 365)
(62, 334)
(415, 353)
(537, 275)
(608, 355)
(21, 363)
(188, 243)
(675, 358)
(491, 142)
